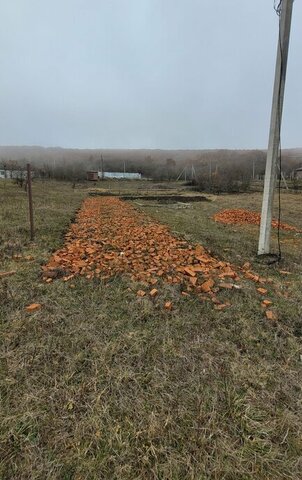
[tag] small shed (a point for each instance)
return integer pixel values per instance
(92, 176)
(298, 173)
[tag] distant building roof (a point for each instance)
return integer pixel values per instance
(13, 173)
(128, 175)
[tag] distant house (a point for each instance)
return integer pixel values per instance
(298, 173)
(125, 175)
(13, 174)
(92, 176)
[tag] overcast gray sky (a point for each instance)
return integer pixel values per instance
(144, 73)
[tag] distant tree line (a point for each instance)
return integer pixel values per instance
(208, 170)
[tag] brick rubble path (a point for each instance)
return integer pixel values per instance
(110, 237)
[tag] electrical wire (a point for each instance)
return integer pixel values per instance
(279, 130)
(278, 6)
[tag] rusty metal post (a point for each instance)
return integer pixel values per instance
(30, 202)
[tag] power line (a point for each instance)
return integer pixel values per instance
(278, 6)
(278, 10)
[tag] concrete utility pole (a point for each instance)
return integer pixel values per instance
(193, 172)
(102, 167)
(30, 203)
(275, 127)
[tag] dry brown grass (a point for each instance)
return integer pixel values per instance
(99, 384)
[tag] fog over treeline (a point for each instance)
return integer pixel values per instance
(73, 164)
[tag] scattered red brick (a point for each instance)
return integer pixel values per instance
(206, 286)
(270, 315)
(228, 286)
(242, 217)
(266, 303)
(222, 306)
(262, 291)
(168, 305)
(33, 307)
(110, 237)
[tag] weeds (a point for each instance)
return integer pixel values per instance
(100, 384)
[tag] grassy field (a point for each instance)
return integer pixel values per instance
(99, 384)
